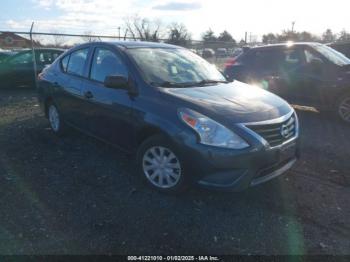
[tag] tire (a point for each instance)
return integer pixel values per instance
(167, 175)
(343, 108)
(55, 119)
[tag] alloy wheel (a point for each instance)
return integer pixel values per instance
(161, 167)
(54, 118)
(344, 109)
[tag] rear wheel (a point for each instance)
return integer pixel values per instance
(343, 108)
(160, 165)
(56, 123)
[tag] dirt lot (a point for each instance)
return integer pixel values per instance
(76, 195)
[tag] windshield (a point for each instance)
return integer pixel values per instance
(166, 67)
(333, 55)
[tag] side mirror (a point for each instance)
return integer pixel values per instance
(115, 81)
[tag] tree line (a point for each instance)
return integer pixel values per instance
(287, 35)
(177, 33)
(144, 29)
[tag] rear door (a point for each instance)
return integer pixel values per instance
(287, 79)
(108, 110)
(68, 86)
(264, 70)
(237, 68)
(275, 69)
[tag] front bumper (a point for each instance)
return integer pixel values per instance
(257, 168)
(238, 181)
(236, 170)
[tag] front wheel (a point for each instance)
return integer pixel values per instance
(343, 108)
(161, 165)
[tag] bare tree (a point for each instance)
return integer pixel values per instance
(143, 28)
(209, 36)
(269, 38)
(58, 40)
(88, 37)
(344, 36)
(328, 36)
(178, 35)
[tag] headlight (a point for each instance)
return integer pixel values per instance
(210, 132)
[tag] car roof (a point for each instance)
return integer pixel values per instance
(339, 43)
(286, 44)
(38, 49)
(137, 44)
(131, 44)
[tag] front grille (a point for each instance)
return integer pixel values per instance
(277, 133)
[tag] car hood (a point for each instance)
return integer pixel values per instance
(234, 101)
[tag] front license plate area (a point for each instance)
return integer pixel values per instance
(287, 152)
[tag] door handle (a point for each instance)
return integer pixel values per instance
(88, 95)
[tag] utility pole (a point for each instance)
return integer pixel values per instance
(293, 23)
(35, 70)
(119, 32)
(126, 32)
(245, 37)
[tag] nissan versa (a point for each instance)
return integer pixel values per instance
(175, 111)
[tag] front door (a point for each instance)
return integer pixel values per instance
(316, 75)
(108, 110)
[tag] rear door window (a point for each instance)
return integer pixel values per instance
(45, 57)
(291, 59)
(55, 55)
(77, 62)
(277, 59)
(267, 59)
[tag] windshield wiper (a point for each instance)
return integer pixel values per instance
(188, 84)
(210, 81)
(168, 84)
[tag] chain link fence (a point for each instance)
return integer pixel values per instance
(17, 51)
(213, 51)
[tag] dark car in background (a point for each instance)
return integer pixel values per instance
(309, 74)
(6, 54)
(208, 53)
(176, 111)
(342, 47)
(221, 52)
(17, 70)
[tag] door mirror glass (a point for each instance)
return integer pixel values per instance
(116, 81)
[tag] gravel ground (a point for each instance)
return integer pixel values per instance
(76, 195)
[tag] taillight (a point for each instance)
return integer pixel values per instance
(230, 62)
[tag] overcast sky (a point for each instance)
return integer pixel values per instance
(105, 16)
